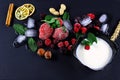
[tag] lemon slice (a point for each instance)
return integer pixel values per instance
(30, 7)
(21, 13)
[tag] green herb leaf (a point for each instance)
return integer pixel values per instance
(64, 29)
(66, 16)
(49, 22)
(48, 17)
(78, 35)
(92, 38)
(57, 23)
(32, 44)
(19, 29)
(85, 42)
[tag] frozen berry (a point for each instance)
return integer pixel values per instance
(69, 47)
(97, 27)
(87, 47)
(41, 52)
(60, 44)
(40, 43)
(48, 55)
(84, 30)
(91, 15)
(52, 46)
(73, 41)
(60, 21)
(47, 42)
(66, 43)
(55, 41)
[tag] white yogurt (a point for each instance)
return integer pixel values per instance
(97, 57)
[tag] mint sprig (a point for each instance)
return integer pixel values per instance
(66, 16)
(91, 38)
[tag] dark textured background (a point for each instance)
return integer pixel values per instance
(21, 64)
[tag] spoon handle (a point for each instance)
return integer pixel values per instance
(116, 33)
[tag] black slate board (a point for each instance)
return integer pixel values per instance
(21, 64)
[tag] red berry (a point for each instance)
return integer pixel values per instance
(73, 41)
(84, 30)
(69, 47)
(61, 21)
(77, 27)
(60, 44)
(66, 43)
(97, 27)
(91, 15)
(87, 47)
(55, 41)
(47, 42)
(40, 43)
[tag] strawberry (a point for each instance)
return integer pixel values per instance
(60, 44)
(61, 21)
(66, 43)
(97, 27)
(87, 47)
(47, 42)
(73, 41)
(69, 47)
(91, 15)
(84, 30)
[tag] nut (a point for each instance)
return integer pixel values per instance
(52, 10)
(55, 13)
(63, 6)
(41, 52)
(61, 11)
(48, 55)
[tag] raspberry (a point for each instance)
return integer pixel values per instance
(84, 30)
(91, 15)
(69, 47)
(47, 42)
(97, 27)
(61, 21)
(77, 27)
(87, 47)
(66, 43)
(73, 41)
(60, 44)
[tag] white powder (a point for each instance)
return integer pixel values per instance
(97, 57)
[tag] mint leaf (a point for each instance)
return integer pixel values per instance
(78, 35)
(85, 42)
(49, 22)
(92, 38)
(57, 23)
(32, 44)
(66, 16)
(48, 17)
(19, 29)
